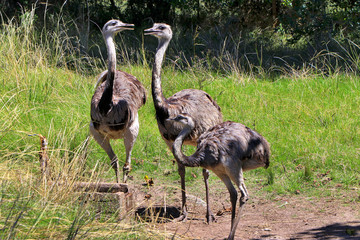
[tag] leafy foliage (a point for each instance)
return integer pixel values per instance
(316, 19)
(321, 19)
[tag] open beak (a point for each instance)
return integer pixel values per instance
(127, 26)
(150, 31)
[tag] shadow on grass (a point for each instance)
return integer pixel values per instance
(339, 231)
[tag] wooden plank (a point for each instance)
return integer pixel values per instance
(102, 187)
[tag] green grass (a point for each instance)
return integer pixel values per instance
(312, 123)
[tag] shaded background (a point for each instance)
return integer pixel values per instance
(211, 33)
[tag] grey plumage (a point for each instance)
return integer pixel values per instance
(197, 103)
(115, 103)
(227, 149)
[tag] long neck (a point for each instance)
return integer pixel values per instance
(157, 94)
(110, 46)
(188, 161)
(105, 103)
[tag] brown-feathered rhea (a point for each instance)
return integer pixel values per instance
(227, 149)
(115, 103)
(197, 103)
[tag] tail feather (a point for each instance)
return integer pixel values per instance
(266, 153)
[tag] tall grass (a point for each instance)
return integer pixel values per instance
(43, 93)
(309, 115)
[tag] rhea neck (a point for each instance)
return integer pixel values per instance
(105, 103)
(188, 161)
(157, 93)
(110, 46)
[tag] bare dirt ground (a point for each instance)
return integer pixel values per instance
(294, 217)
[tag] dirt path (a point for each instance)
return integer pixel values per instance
(283, 219)
(294, 217)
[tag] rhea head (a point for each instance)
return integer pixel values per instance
(159, 30)
(184, 120)
(114, 26)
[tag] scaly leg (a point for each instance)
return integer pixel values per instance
(129, 140)
(243, 198)
(181, 171)
(233, 199)
(183, 217)
(104, 142)
(209, 215)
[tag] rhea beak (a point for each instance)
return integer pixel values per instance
(127, 26)
(177, 118)
(150, 31)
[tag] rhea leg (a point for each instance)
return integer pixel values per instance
(181, 171)
(129, 140)
(233, 199)
(183, 217)
(243, 198)
(209, 215)
(104, 142)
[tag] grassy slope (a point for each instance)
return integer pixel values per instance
(311, 123)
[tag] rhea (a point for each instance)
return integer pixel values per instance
(115, 103)
(227, 149)
(197, 103)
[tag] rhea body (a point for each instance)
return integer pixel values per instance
(115, 103)
(198, 104)
(227, 149)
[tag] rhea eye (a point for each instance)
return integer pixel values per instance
(161, 27)
(113, 23)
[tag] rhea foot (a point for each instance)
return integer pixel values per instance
(126, 170)
(182, 217)
(210, 218)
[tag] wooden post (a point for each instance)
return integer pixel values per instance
(108, 197)
(44, 158)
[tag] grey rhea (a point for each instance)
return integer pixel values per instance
(115, 103)
(227, 149)
(197, 103)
